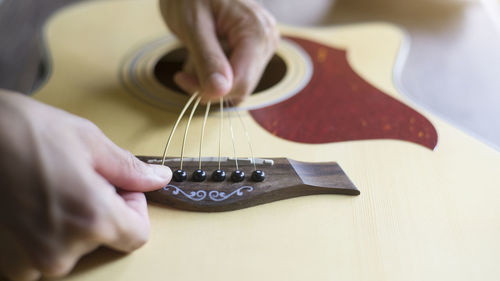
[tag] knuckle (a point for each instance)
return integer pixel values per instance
(129, 240)
(92, 226)
(97, 231)
(272, 33)
(101, 228)
(133, 239)
(80, 214)
(88, 125)
(133, 163)
(140, 240)
(132, 166)
(271, 21)
(88, 130)
(263, 20)
(264, 31)
(127, 160)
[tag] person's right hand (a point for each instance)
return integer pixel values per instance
(58, 199)
(247, 30)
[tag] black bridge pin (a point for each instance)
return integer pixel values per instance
(258, 176)
(199, 175)
(237, 176)
(218, 175)
(179, 175)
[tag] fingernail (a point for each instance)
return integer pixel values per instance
(220, 83)
(162, 172)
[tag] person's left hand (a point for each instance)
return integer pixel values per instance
(65, 189)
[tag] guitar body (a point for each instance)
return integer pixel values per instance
(425, 212)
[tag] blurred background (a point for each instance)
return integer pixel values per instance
(452, 68)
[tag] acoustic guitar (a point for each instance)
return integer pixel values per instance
(328, 117)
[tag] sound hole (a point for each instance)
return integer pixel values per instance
(173, 62)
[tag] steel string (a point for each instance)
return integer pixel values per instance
(221, 103)
(187, 129)
(248, 137)
(186, 106)
(203, 133)
(232, 135)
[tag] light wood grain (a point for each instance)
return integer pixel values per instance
(422, 215)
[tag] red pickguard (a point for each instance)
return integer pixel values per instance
(338, 105)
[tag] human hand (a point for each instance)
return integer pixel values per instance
(247, 30)
(58, 200)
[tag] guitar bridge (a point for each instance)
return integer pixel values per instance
(285, 179)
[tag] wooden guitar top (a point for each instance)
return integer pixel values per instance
(422, 214)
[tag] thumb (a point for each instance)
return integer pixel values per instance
(211, 64)
(122, 169)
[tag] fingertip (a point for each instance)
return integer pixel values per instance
(162, 173)
(153, 177)
(125, 171)
(217, 85)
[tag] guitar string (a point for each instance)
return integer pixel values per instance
(221, 103)
(186, 106)
(247, 135)
(187, 129)
(232, 135)
(203, 133)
